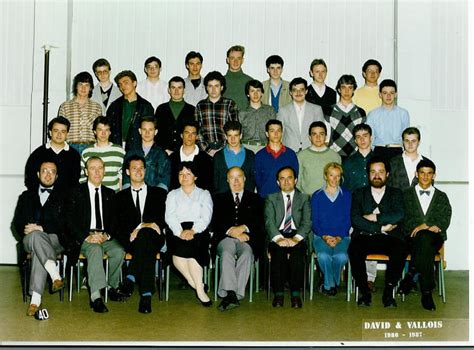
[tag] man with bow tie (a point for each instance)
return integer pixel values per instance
(238, 236)
(428, 215)
(39, 215)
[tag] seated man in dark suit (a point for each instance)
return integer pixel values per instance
(39, 215)
(139, 224)
(288, 225)
(377, 211)
(427, 217)
(89, 217)
(238, 232)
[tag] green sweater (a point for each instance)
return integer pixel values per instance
(312, 163)
(235, 88)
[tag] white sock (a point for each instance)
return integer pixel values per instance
(52, 269)
(36, 299)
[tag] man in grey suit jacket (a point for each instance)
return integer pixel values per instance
(298, 116)
(288, 225)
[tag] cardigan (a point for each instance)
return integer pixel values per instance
(220, 171)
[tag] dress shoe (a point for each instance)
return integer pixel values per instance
(145, 304)
(406, 285)
(326, 292)
(427, 301)
(204, 303)
(99, 306)
(32, 308)
(364, 299)
(296, 303)
(57, 285)
(126, 288)
(371, 286)
(387, 297)
(278, 301)
(229, 302)
(115, 295)
(333, 291)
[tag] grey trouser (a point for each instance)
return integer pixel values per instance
(94, 254)
(43, 247)
(234, 274)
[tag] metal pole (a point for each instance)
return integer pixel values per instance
(45, 93)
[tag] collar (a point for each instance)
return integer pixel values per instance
(48, 146)
(418, 188)
(273, 153)
(92, 187)
(184, 156)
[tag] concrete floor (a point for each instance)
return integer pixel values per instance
(182, 319)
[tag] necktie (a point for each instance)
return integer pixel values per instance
(237, 200)
(98, 217)
(46, 190)
(288, 217)
(137, 204)
(422, 192)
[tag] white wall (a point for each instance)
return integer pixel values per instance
(344, 33)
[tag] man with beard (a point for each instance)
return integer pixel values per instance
(377, 211)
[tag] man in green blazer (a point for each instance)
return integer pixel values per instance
(288, 225)
(428, 214)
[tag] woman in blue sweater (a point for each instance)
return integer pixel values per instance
(331, 216)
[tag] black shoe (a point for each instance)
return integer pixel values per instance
(365, 299)
(115, 295)
(326, 292)
(145, 304)
(427, 301)
(206, 303)
(387, 297)
(406, 285)
(333, 291)
(278, 301)
(232, 299)
(126, 288)
(99, 306)
(296, 303)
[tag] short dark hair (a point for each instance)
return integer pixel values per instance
(152, 59)
(191, 166)
(190, 122)
(255, 84)
(388, 82)
(82, 77)
(101, 62)
(192, 54)
(176, 79)
(134, 157)
(371, 62)
(426, 163)
(274, 59)
(378, 159)
(232, 125)
(273, 122)
(214, 75)
(59, 120)
(237, 48)
(346, 79)
(100, 120)
(317, 62)
(286, 167)
(318, 124)
(123, 74)
(362, 126)
(412, 131)
(148, 119)
(48, 159)
(297, 81)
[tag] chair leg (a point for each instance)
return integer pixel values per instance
(441, 277)
(216, 276)
(252, 266)
(71, 276)
(167, 282)
(348, 282)
(257, 276)
(311, 277)
(106, 279)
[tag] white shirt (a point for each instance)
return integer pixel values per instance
(195, 207)
(410, 166)
(92, 202)
(319, 90)
(282, 225)
(141, 197)
(155, 93)
(377, 194)
(344, 108)
(43, 195)
(190, 157)
(48, 146)
(424, 198)
(300, 113)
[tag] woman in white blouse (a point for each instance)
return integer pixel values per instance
(188, 214)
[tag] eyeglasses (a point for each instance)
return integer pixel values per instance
(48, 171)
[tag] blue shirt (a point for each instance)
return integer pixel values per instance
(388, 124)
(234, 159)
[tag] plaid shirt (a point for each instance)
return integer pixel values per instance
(81, 117)
(342, 123)
(211, 118)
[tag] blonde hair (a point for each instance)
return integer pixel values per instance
(333, 165)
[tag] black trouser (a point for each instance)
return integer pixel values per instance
(283, 268)
(144, 249)
(423, 248)
(362, 245)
